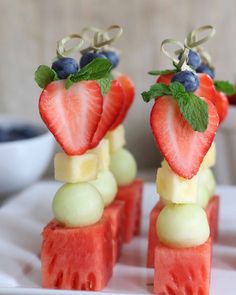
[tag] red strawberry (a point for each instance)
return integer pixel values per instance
(183, 148)
(128, 88)
(222, 105)
(112, 107)
(166, 79)
(206, 88)
(232, 99)
(72, 115)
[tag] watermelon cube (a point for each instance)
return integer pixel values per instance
(115, 213)
(76, 258)
(212, 211)
(184, 271)
(152, 234)
(132, 196)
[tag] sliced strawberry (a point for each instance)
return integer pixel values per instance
(166, 79)
(222, 105)
(112, 107)
(183, 148)
(72, 115)
(206, 88)
(232, 99)
(129, 91)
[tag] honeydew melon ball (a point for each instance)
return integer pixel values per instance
(182, 225)
(206, 186)
(77, 205)
(123, 166)
(106, 185)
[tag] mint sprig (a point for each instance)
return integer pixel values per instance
(162, 72)
(225, 87)
(99, 70)
(192, 107)
(44, 75)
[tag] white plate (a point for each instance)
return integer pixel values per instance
(23, 217)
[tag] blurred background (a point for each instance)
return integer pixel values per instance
(29, 30)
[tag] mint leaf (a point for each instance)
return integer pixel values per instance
(68, 82)
(192, 107)
(96, 69)
(105, 83)
(225, 87)
(156, 90)
(44, 75)
(162, 72)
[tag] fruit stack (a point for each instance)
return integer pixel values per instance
(81, 105)
(184, 120)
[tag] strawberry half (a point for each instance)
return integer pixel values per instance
(182, 147)
(222, 105)
(129, 93)
(72, 115)
(165, 79)
(206, 88)
(112, 106)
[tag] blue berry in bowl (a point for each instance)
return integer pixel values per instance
(188, 79)
(90, 56)
(194, 59)
(65, 66)
(206, 70)
(113, 57)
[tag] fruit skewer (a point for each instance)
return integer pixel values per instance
(79, 104)
(184, 120)
(123, 165)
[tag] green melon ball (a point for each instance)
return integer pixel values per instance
(123, 166)
(182, 225)
(206, 186)
(106, 185)
(77, 205)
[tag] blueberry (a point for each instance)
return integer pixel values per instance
(194, 59)
(188, 79)
(206, 70)
(113, 57)
(89, 56)
(65, 66)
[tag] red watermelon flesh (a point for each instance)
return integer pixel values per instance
(132, 196)
(212, 211)
(183, 271)
(152, 234)
(76, 258)
(115, 213)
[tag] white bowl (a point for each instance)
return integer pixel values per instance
(22, 162)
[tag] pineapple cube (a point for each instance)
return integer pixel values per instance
(210, 157)
(103, 154)
(116, 138)
(174, 188)
(73, 169)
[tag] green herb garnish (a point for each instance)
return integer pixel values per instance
(44, 75)
(162, 72)
(99, 70)
(192, 107)
(225, 87)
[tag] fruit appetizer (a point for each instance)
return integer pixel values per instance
(122, 165)
(184, 121)
(83, 105)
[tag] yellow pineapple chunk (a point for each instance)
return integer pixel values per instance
(210, 157)
(103, 154)
(73, 169)
(174, 188)
(116, 138)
